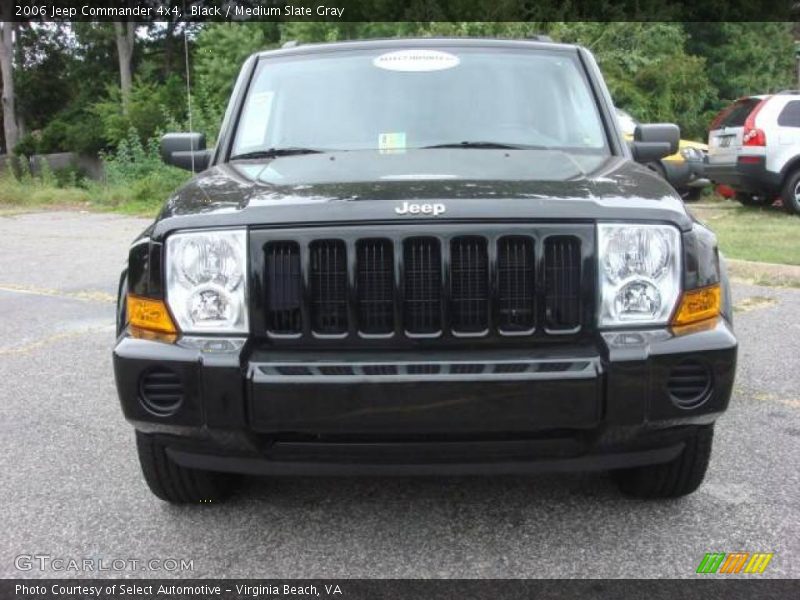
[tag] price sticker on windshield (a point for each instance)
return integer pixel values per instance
(416, 61)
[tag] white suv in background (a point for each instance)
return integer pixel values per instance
(754, 147)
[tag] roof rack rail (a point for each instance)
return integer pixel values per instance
(540, 38)
(788, 92)
(290, 44)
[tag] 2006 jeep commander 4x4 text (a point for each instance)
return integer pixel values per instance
(427, 256)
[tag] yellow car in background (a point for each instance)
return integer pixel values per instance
(684, 170)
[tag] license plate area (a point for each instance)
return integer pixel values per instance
(725, 141)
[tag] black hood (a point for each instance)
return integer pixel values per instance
(366, 186)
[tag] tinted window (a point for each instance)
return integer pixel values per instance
(381, 99)
(739, 113)
(790, 115)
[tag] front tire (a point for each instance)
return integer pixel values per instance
(790, 194)
(174, 483)
(749, 199)
(692, 194)
(679, 477)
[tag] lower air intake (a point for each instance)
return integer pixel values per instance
(689, 384)
(161, 391)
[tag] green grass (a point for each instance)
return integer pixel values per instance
(142, 197)
(759, 234)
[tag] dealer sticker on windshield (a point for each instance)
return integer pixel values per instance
(416, 60)
(392, 142)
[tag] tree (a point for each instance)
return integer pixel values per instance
(744, 58)
(10, 128)
(220, 50)
(648, 70)
(125, 34)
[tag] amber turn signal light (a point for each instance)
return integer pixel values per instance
(698, 305)
(149, 314)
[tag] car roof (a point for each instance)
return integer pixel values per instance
(430, 42)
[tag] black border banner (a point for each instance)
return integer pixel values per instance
(398, 10)
(710, 588)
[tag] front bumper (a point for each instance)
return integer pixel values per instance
(747, 174)
(604, 404)
(685, 174)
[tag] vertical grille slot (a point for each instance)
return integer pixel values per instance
(466, 368)
(380, 370)
(515, 284)
(469, 285)
(422, 302)
(284, 287)
(328, 283)
(562, 259)
(375, 285)
(424, 369)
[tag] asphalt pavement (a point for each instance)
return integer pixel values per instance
(71, 486)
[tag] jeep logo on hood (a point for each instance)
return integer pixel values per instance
(411, 208)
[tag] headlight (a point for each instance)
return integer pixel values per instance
(692, 154)
(639, 273)
(207, 281)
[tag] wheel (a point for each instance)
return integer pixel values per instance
(749, 199)
(681, 476)
(790, 194)
(174, 483)
(692, 194)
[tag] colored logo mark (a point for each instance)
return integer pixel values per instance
(734, 562)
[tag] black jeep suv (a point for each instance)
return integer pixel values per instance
(432, 256)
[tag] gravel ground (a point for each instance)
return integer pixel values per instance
(72, 487)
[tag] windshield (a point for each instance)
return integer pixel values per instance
(391, 101)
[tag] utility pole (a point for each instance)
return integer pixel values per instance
(797, 61)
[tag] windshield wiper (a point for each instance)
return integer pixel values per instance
(275, 152)
(486, 145)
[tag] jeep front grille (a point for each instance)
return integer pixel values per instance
(504, 281)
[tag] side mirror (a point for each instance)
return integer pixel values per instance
(185, 151)
(654, 141)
